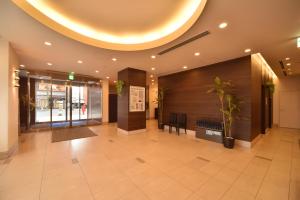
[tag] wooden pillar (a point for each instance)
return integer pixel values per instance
(132, 118)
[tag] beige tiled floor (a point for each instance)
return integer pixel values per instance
(153, 165)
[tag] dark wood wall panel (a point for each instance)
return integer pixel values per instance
(130, 120)
(187, 93)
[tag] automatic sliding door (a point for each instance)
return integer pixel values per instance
(42, 101)
(59, 104)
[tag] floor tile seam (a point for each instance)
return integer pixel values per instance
(262, 181)
(86, 181)
(290, 175)
(44, 166)
(131, 180)
(240, 174)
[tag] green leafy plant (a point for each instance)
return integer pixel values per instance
(119, 87)
(28, 101)
(160, 102)
(219, 88)
(230, 112)
(270, 86)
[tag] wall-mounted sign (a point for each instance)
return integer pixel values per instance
(71, 76)
(136, 99)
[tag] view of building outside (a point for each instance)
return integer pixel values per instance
(60, 110)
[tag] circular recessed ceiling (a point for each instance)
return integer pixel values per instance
(113, 24)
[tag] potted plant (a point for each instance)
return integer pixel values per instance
(230, 112)
(230, 107)
(219, 87)
(160, 102)
(119, 87)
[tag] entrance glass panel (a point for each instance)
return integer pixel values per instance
(42, 101)
(64, 103)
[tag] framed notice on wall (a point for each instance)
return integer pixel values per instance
(136, 99)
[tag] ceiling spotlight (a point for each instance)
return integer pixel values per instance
(197, 54)
(49, 64)
(152, 80)
(114, 59)
(48, 43)
(247, 50)
(115, 81)
(287, 58)
(97, 71)
(289, 69)
(79, 62)
(184, 67)
(22, 66)
(288, 64)
(153, 68)
(153, 56)
(151, 76)
(223, 25)
(107, 77)
(152, 83)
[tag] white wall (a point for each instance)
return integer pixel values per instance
(283, 84)
(9, 99)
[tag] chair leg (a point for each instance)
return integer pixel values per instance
(185, 130)
(178, 130)
(170, 129)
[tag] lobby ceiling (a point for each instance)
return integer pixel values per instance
(119, 25)
(269, 27)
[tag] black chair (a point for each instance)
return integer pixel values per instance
(172, 121)
(181, 122)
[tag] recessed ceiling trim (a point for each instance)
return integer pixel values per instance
(178, 25)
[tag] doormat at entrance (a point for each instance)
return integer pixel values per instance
(66, 134)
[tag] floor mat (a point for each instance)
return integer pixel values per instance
(65, 134)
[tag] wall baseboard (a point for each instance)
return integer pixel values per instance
(122, 131)
(7, 154)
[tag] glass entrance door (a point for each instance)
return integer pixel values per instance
(65, 104)
(59, 104)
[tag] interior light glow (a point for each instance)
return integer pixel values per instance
(223, 25)
(181, 18)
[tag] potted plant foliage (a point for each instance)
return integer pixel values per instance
(160, 102)
(270, 86)
(229, 108)
(230, 112)
(119, 87)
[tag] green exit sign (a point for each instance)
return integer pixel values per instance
(71, 76)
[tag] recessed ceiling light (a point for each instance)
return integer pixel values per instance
(223, 25)
(197, 54)
(184, 67)
(287, 58)
(97, 71)
(151, 76)
(289, 69)
(48, 43)
(153, 56)
(22, 66)
(49, 64)
(107, 77)
(79, 61)
(247, 50)
(115, 81)
(153, 68)
(288, 64)
(152, 80)
(114, 59)
(152, 83)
